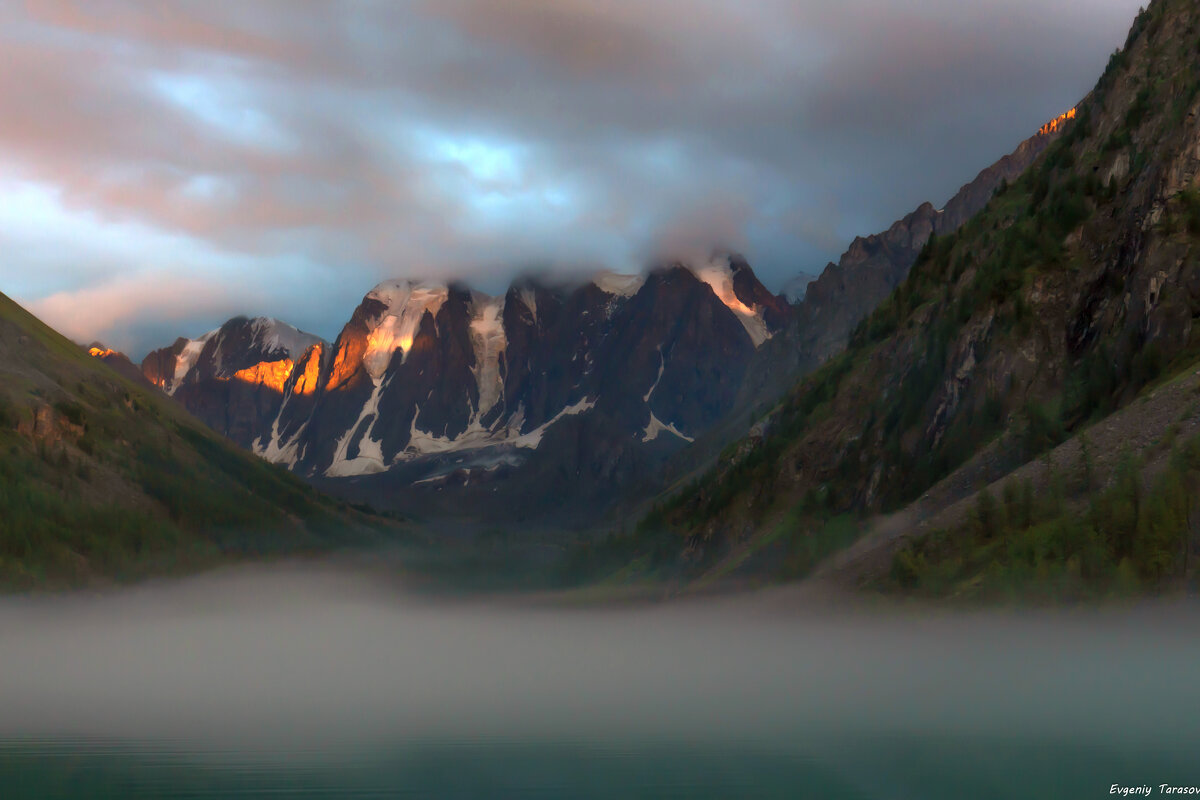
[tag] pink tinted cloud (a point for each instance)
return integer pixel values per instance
(279, 132)
(697, 228)
(110, 310)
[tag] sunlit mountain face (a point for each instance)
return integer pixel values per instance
(271, 374)
(1055, 124)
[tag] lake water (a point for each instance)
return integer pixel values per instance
(330, 682)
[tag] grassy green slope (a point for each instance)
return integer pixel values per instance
(101, 479)
(1073, 292)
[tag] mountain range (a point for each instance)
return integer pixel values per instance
(445, 386)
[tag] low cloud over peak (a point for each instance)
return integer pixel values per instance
(294, 153)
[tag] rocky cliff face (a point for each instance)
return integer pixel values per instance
(868, 272)
(232, 378)
(438, 385)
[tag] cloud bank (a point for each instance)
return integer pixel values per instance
(282, 156)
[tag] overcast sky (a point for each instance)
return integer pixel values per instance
(166, 165)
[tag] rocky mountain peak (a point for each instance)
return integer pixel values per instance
(429, 379)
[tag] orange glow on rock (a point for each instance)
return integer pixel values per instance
(308, 380)
(100, 352)
(272, 374)
(1056, 123)
(731, 300)
(381, 340)
(347, 361)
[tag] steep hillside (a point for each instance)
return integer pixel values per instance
(1072, 291)
(101, 478)
(829, 306)
(1110, 511)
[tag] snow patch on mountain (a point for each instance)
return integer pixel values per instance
(476, 437)
(533, 438)
(657, 426)
(530, 300)
(187, 359)
(406, 304)
(617, 284)
(370, 453)
(276, 336)
(489, 340)
(718, 274)
(275, 449)
(662, 366)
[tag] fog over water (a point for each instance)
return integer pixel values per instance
(320, 658)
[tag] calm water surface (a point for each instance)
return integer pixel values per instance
(311, 682)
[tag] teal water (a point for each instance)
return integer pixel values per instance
(863, 768)
(302, 682)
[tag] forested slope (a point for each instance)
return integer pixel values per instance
(100, 478)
